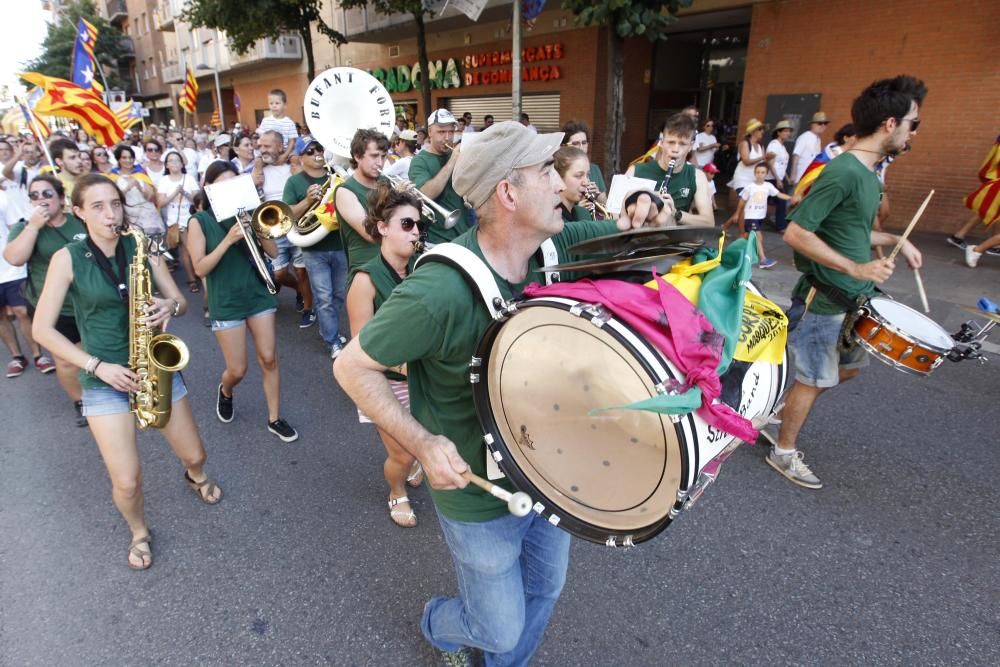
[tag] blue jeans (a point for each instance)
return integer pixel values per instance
(510, 571)
(328, 277)
(780, 207)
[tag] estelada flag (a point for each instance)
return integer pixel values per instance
(985, 201)
(84, 64)
(189, 94)
(811, 173)
(127, 114)
(31, 119)
(69, 100)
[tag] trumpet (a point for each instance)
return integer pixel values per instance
(245, 221)
(596, 207)
(428, 207)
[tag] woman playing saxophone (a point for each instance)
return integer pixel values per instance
(93, 273)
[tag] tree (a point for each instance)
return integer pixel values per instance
(416, 9)
(57, 49)
(246, 21)
(623, 18)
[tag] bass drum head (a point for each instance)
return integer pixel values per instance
(342, 100)
(545, 378)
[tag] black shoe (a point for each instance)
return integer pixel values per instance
(300, 304)
(80, 419)
(224, 407)
(283, 430)
(955, 241)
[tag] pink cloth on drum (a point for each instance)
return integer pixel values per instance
(676, 327)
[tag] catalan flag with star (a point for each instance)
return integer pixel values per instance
(128, 114)
(84, 62)
(189, 94)
(68, 100)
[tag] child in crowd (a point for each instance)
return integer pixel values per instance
(710, 171)
(279, 122)
(752, 209)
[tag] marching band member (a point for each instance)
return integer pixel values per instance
(688, 187)
(577, 134)
(325, 261)
(237, 301)
(573, 167)
(432, 172)
(394, 222)
(831, 233)
(405, 147)
(89, 271)
(33, 242)
(511, 569)
(368, 149)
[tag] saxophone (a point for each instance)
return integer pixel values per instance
(152, 356)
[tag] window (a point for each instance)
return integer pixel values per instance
(145, 23)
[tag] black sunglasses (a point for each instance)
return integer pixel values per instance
(313, 150)
(153, 149)
(408, 223)
(44, 194)
(914, 123)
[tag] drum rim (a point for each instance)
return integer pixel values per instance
(496, 445)
(872, 311)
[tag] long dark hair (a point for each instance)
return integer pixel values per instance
(212, 174)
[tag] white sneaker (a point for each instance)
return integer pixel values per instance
(972, 257)
(794, 468)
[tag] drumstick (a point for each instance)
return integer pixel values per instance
(920, 211)
(920, 289)
(518, 504)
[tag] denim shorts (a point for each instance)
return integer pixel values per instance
(108, 401)
(288, 253)
(816, 352)
(11, 293)
(752, 225)
(222, 325)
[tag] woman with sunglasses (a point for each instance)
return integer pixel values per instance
(138, 191)
(101, 160)
(33, 242)
(152, 160)
(79, 276)
(237, 302)
(393, 221)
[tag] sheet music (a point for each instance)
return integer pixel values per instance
(622, 186)
(229, 196)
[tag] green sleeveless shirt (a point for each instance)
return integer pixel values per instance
(48, 241)
(235, 291)
(101, 315)
(359, 250)
(385, 279)
(682, 186)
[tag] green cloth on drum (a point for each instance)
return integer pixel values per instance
(723, 290)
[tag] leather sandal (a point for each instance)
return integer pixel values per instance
(204, 489)
(142, 555)
(416, 475)
(399, 516)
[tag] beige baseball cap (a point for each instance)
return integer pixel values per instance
(490, 156)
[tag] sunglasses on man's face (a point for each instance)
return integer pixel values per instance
(152, 149)
(408, 223)
(313, 150)
(914, 123)
(44, 194)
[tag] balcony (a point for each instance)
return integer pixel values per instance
(164, 15)
(117, 12)
(367, 25)
(172, 73)
(286, 48)
(128, 49)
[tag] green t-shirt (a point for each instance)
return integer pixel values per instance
(235, 291)
(48, 241)
(432, 323)
(840, 209)
(385, 279)
(578, 214)
(425, 166)
(359, 250)
(296, 189)
(682, 185)
(101, 315)
(597, 177)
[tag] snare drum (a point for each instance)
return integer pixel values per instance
(541, 380)
(901, 337)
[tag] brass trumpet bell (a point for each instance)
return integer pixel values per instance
(272, 219)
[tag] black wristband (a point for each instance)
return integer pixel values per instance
(634, 197)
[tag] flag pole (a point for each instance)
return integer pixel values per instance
(38, 133)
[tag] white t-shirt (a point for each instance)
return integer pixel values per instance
(807, 147)
(8, 273)
(275, 177)
(743, 174)
(780, 161)
(284, 126)
(205, 163)
(400, 168)
(755, 197)
(177, 211)
(18, 205)
(155, 176)
(190, 158)
(702, 158)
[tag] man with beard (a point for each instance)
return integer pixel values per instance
(70, 167)
(831, 233)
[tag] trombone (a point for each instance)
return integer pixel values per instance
(428, 207)
(272, 219)
(246, 222)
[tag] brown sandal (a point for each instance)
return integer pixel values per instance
(141, 554)
(204, 489)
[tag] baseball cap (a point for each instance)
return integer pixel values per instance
(303, 142)
(222, 140)
(710, 168)
(408, 135)
(441, 117)
(489, 156)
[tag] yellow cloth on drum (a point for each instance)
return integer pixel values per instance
(326, 212)
(764, 329)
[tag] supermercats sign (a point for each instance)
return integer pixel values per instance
(402, 78)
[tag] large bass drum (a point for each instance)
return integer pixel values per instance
(542, 380)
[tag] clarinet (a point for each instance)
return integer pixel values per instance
(666, 179)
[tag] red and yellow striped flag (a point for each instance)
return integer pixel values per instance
(126, 115)
(69, 100)
(189, 94)
(985, 201)
(216, 121)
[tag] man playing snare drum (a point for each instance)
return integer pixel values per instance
(510, 569)
(831, 233)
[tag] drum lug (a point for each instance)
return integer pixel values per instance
(488, 439)
(906, 353)
(874, 331)
(473, 378)
(613, 543)
(599, 315)
(475, 362)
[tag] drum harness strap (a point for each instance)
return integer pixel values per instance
(855, 308)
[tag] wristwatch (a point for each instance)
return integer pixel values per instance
(677, 215)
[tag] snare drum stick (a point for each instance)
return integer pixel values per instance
(920, 289)
(519, 504)
(913, 223)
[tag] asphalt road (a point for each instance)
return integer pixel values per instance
(894, 561)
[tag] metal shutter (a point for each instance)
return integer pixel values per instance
(542, 109)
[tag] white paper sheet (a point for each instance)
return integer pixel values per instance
(622, 186)
(229, 196)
